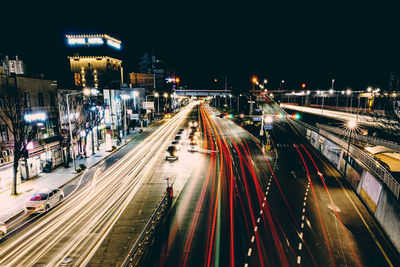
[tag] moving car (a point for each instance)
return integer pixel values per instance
(3, 230)
(192, 146)
(177, 144)
(171, 153)
(44, 200)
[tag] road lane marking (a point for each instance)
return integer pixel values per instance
(302, 225)
(300, 246)
(249, 253)
(258, 220)
(302, 218)
(252, 239)
(255, 229)
(298, 259)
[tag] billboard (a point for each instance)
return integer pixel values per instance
(148, 105)
(370, 190)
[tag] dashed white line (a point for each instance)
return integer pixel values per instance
(304, 210)
(301, 235)
(258, 220)
(265, 198)
(263, 204)
(300, 246)
(252, 239)
(304, 204)
(249, 252)
(302, 225)
(302, 218)
(261, 211)
(305, 198)
(246, 265)
(255, 229)
(298, 259)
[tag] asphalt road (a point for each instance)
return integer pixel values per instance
(288, 207)
(74, 230)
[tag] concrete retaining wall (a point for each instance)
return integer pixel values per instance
(378, 198)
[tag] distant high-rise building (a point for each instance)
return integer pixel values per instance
(149, 63)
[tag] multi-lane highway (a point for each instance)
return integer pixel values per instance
(236, 204)
(73, 231)
(250, 207)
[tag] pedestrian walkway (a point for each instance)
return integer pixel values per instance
(11, 206)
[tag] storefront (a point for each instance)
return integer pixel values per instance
(42, 158)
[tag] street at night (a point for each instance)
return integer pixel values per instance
(199, 134)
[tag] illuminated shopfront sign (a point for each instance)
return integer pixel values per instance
(35, 117)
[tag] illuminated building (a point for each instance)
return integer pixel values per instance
(94, 60)
(39, 107)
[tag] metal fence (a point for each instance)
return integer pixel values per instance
(381, 172)
(363, 138)
(144, 240)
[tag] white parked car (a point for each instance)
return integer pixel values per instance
(44, 200)
(3, 230)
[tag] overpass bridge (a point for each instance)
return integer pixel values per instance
(361, 119)
(202, 92)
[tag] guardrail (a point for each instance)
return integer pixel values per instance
(366, 139)
(139, 248)
(368, 161)
(381, 172)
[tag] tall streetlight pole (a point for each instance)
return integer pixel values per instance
(158, 102)
(351, 125)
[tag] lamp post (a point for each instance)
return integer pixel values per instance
(280, 84)
(166, 98)
(351, 125)
(124, 98)
(86, 92)
(158, 102)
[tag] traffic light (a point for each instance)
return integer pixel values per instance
(296, 116)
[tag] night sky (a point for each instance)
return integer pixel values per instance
(313, 42)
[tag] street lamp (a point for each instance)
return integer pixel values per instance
(124, 98)
(158, 102)
(86, 92)
(351, 125)
(280, 84)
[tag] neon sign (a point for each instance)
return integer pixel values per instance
(74, 41)
(113, 44)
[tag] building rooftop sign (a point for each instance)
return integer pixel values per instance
(93, 40)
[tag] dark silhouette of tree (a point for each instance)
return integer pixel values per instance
(12, 113)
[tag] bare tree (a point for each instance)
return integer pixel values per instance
(12, 115)
(78, 114)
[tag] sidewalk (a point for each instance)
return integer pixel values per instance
(11, 206)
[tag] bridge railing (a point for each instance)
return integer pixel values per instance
(366, 139)
(380, 171)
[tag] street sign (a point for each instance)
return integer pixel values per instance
(148, 105)
(241, 115)
(256, 118)
(267, 127)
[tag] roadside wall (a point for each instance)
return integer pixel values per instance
(378, 198)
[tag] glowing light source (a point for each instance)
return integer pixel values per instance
(114, 44)
(303, 85)
(35, 117)
(74, 41)
(351, 124)
(95, 40)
